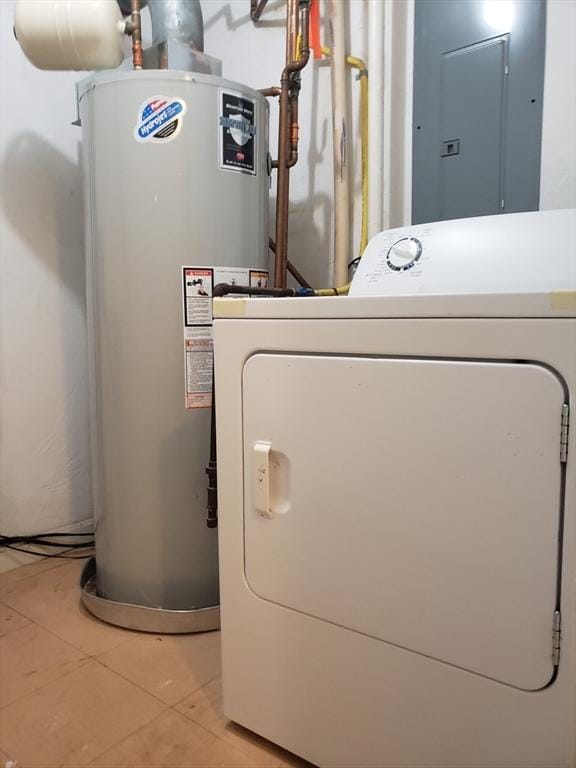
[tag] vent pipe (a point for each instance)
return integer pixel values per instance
(179, 20)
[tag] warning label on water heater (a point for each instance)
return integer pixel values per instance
(237, 127)
(199, 359)
(197, 286)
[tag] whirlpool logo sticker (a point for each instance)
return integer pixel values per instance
(160, 120)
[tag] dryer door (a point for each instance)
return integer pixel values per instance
(415, 501)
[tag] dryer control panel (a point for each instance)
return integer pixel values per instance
(509, 253)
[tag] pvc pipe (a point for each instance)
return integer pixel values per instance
(340, 138)
(360, 65)
(354, 61)
(376, 118)
(389, 122)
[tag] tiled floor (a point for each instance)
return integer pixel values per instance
(76, 692)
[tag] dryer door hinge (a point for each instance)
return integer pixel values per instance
(565, 425)
(556, 638)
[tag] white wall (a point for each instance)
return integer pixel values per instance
(558, 169)
(44, 466)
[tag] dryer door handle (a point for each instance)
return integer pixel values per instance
(261, 478)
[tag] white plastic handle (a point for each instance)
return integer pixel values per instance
(261, 484)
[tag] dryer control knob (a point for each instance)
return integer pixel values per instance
(404, 254)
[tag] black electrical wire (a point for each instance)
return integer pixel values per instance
(49, 535)
(38, 540)
(43, 543)
(42, 554)
(28, 537)
(42, 540)
(354, 261)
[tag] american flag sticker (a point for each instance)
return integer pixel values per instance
(159, 119)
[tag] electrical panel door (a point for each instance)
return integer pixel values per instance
(471, 129)
(477, 107)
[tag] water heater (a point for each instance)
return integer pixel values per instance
(176, 177)
(176, 189)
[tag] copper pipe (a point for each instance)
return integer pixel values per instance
(300, 63)
(304, 55)
(294, 132)
(298, 15)
(283, 187)
(283, 178)
(137, 59)
(296, 274)
(271, 92)
(292, 105)
(291, 25)
(256, 8)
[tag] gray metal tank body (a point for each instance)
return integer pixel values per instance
(151, 209)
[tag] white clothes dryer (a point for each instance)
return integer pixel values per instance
(397, 503)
